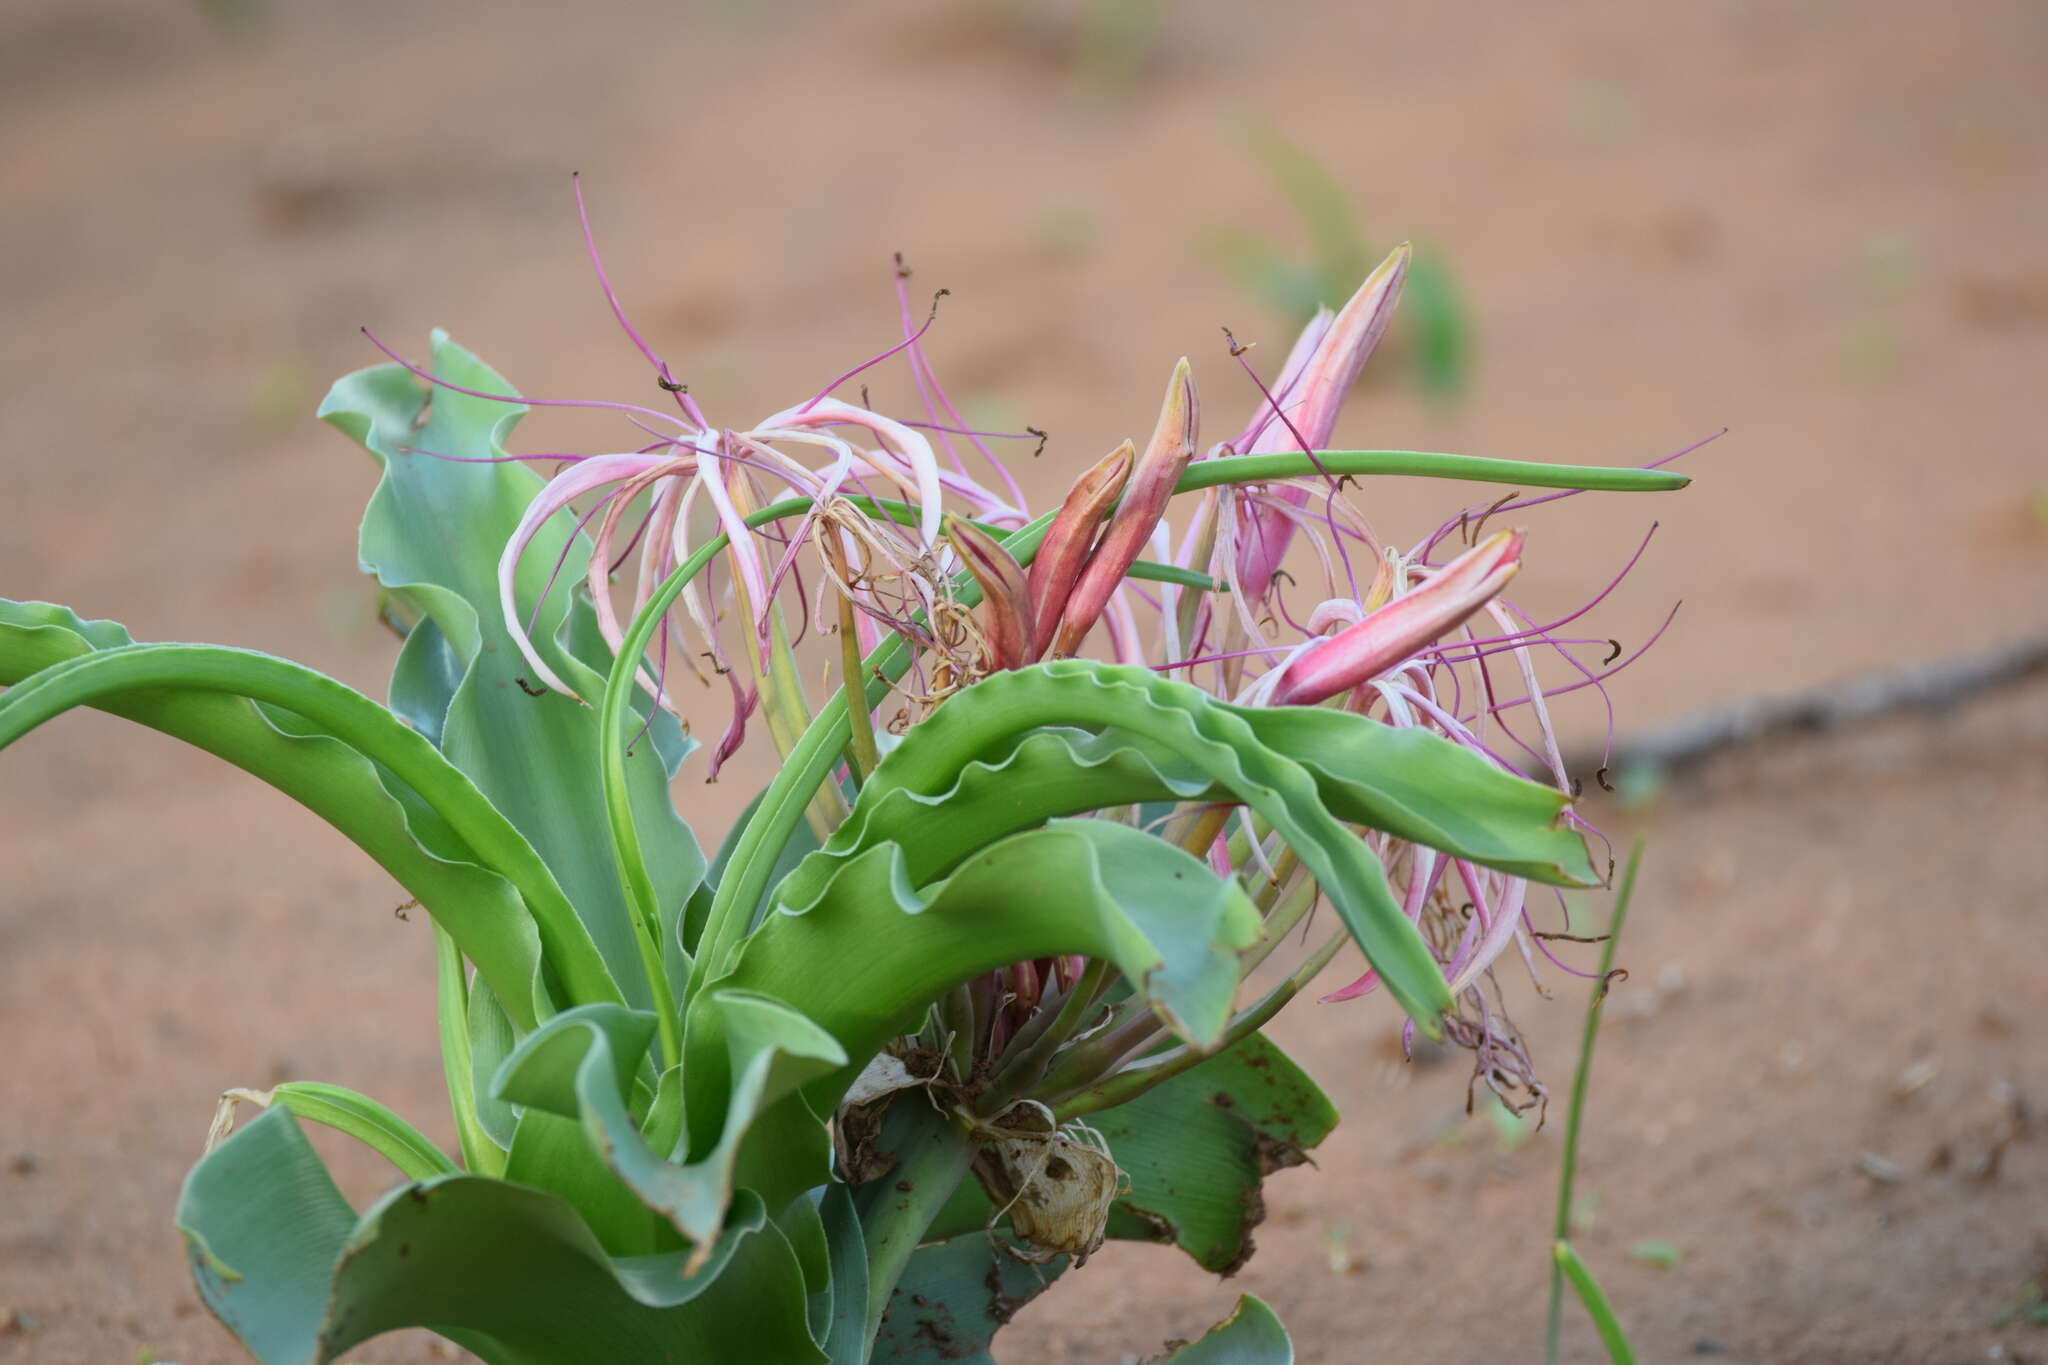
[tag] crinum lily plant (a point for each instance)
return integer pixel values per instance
(970, 986)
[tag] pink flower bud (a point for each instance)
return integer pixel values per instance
(1311, 392)
(1068, 540)
(1152, 483)
(1005, 598)
(1384, 638)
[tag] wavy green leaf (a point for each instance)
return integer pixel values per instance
(1198, 1148)
(1423, 788)
(511, 1273)
(1410, 783)
(432, 535)
(1251, 1335)
(953, 1298)
(579, 1067)
(991, 718)
(866, 956)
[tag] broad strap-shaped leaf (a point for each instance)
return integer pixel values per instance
(510, 1273)
(579, 1067)
(432, 535)
(1197, 1149)
(1251, 1335)
(1041, 775)
(1410, 783)
(1421, 787)
(954, 1297)
(846, 1329)
(866, 957)
(357, 767)
(984, 722)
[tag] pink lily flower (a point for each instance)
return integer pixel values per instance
(1384, 638)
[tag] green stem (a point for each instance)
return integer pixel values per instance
(1288, 911)
(1575, 1112)
(481, 1155)
(1136, 1079)
(1428, 465)
(933, 1153)
(1028, 1068)
(862, 754)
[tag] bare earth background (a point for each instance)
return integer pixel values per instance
(1818, 225)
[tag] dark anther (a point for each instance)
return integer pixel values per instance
(864, 398)
(1612, 654)
(1607, 983)
(902, 270)
(528, 688)
(1279, 574)
(1575, 938)
(1236, 348)
(671, 385)
(1601, 778)
(935, 304)
(716, 667)
(1498, 503)
(1578, 787)
(1042, 439)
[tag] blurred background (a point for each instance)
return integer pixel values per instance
(1817, 226)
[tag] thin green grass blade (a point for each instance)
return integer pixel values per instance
(1575, 1112)
(1597, 1307)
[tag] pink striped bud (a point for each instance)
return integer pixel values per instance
(1362, 652)
(1311, 392)
(1152, 483)
(1068, 540)
(1315, 399)
(1004, 597)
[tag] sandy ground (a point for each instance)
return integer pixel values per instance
(1817, 226)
